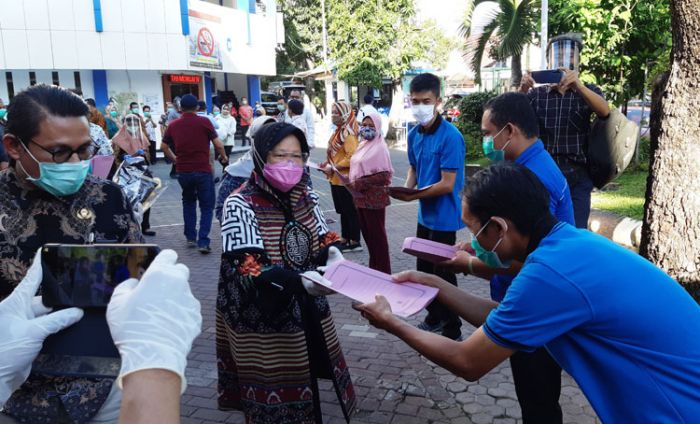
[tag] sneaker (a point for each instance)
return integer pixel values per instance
(205, 250)
(433, 328)
(455, 335)
(148, 232)
(191, 243)
(351, 247)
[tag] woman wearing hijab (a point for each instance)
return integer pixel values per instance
(236, 174)
(370, 175)
(132, 140)
(274, 340)
(341, 147)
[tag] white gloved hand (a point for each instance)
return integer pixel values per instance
(310, 279)
(334, 255)
(154, 321)
(24, 326)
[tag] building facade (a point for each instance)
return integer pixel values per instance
(148, 51)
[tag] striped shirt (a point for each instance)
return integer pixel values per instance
(564, 121)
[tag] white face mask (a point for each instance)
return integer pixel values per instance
(423, 113)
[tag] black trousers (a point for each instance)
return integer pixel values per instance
(537, 379)
(437, 312)
(345, 207)
(146, 223)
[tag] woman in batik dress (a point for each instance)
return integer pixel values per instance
(274, 340)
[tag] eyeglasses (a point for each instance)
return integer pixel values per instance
(290, 156)
(63, 154)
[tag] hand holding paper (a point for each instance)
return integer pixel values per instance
(378, 313)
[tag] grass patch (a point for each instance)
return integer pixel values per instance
(627, 198)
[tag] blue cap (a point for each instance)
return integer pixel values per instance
(188, 101)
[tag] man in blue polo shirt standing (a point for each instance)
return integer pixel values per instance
(621, 327)
(509, 125)
(436, 153)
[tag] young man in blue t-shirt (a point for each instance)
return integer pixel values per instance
(510, 133)
(625, 331)
(436, 154)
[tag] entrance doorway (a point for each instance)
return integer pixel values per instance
(179, 85)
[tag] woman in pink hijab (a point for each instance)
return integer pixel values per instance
(370, 175)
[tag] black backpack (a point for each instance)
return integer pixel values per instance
(611, 145)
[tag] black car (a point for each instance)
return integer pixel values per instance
(269, 102)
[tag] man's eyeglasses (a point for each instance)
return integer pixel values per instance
(63, 154)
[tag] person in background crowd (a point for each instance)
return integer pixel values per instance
(202, 111)
(296, 115)
(227, 128)
(273, 235)
(245, 112)
(172, 113)
(594, 305)
(282, 109)
(112, 118)
(191, 136)
(4, 159)
(96, 117)
(510, 130)
(132, 140)
(215, 111)
(151, 127)
(140, 315)
(367, 107)
(309, 117)
(436, 152)
(236, 174)
(259, 111)
(370, 175)
(564, 113)
(134, 108)
(52, 199)
(341, 147)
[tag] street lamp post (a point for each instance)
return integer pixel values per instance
(543, 34)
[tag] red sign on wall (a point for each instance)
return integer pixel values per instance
(185, 79)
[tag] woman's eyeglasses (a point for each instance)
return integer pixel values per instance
(279, 156)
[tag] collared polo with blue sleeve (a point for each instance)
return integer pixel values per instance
(431, 151)
(622, 328)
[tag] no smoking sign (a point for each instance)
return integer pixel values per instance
(205, 42)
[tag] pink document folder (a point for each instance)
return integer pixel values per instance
(101, 165)
(363, 284)
(428, 250)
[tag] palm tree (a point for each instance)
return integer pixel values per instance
(505, 30)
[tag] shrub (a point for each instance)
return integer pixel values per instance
(471, 109)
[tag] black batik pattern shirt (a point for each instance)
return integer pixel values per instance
(564, 122)
(30, 218)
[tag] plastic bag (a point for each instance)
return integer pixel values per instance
(138, 184)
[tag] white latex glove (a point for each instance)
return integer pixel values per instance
(309, 281)
(24, 326)
(154, 321)
(334, 255)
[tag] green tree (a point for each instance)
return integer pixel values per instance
(303, 44)
(507, 30)
(620, 38)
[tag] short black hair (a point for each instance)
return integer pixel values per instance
(513, 108)
(133, 105)
(425, 82)
(508, 190)
(369, 99)
(296, 106)
(146, 107)
(201, 105)
(34, 105)
(91, 102)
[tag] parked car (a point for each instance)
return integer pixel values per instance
(634, 113)
(268, 101)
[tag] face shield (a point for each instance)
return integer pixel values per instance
(564, 51)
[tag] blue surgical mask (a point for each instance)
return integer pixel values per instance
(368, 133)
(489, 257)
(490, 151)
(3, 112)
(59, 179)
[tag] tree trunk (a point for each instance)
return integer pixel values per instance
(671, 231)
(516, 71)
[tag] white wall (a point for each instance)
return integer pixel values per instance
(144, 87)
(138, 35)
(236, 83)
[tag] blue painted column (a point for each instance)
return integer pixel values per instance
(253, 89)
(99, 82)
(97, 9)
(185, 17)
(207, 91)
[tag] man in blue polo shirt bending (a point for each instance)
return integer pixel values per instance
(510, 132)
(625, 331)
(436, 153)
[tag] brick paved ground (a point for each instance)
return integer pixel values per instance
(393, 383)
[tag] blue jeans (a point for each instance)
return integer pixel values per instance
(580, 185)
(197, 186)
